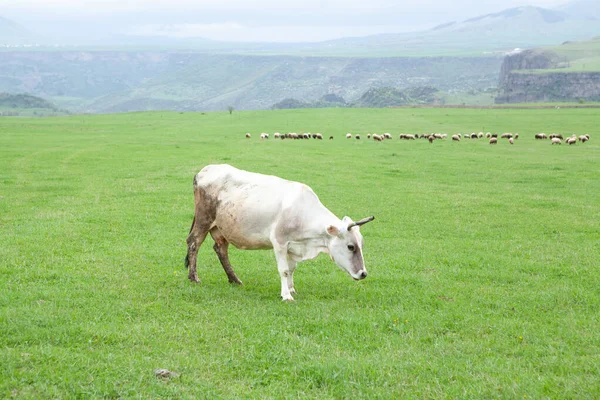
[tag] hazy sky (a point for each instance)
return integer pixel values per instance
(247, 20)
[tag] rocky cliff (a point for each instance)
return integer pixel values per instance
(536, 76)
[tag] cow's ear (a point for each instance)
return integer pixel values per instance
(333, 230)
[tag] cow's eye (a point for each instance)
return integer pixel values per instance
(351, 247)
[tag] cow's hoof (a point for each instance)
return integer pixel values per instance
(287, 298)
(194, 279)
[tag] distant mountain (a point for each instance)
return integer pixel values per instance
(520, 27)
(583, 9)
(12, 33)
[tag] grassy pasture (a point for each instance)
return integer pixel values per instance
(484, 277)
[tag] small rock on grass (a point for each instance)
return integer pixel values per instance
(165, 373)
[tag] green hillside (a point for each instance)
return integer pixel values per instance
(577, 56)
(580, 56)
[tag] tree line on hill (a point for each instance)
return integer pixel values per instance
(16, 104)
(375, 97)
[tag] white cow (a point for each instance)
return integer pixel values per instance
(254, 211)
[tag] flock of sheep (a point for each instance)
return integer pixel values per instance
(556, 138)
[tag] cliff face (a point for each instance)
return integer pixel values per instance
(528, 59)
(517, 85)
(544, 87)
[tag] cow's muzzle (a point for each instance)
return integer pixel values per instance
(361, 275)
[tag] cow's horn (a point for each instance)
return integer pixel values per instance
(361, 222)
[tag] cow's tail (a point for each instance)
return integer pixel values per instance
(187, 256)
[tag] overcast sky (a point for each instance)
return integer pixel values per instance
(247, 20)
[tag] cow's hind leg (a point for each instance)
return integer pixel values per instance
(221, 247)
(194, 241)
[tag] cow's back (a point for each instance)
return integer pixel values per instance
(247, 204)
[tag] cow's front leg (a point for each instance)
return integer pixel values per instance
(284, 273)
(290, 278)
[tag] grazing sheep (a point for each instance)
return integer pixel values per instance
(247, 136)
(319, 136)
(387, 136)
(456, 138)
(263, 136)
(495, 135)
(488, 135)
(438, 136)
(402, 136)
(571, 140)
(511, 140)
(330, 137)
(431, 138)
(409, 137)
(474, 136)
(556, 141)
(368, 136)
(516, 136)
(377, 138)
(506, 136)
(276, 135)
(493, 140)
(480, 135)
(556, 135)
(348, 136)
(541, 136)
(357, 137)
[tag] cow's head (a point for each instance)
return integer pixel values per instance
(346, 245)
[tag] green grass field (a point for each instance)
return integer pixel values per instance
(483, 261)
